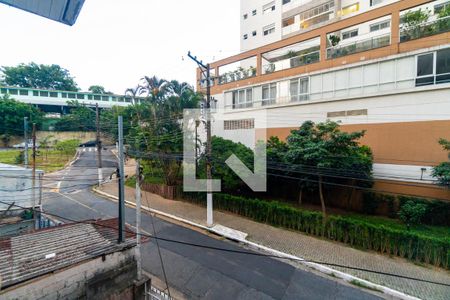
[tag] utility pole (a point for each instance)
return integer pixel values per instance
(34, 174)
(209, 196)
(121, 176)
(99, 145)
(138, 219)
(25, 136)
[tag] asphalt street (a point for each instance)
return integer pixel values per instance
(195, 272)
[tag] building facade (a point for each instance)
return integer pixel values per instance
(381, 66)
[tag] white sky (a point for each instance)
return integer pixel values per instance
(114, 43)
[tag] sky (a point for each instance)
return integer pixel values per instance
(114, 43)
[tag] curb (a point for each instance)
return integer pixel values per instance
(318, 267)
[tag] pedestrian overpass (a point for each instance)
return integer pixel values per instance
(57, 101)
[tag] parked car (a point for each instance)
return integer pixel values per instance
(89, 144)
(22, 145)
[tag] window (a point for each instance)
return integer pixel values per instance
(80, 96)
(63, 95)
(433, 68)
(4, 91)
(23, 92)
(13, 91)
(71, 96)
(54, 94)
(380, 26)
(97, 97)
(443, 66)
(245, 36)
(254, 33)
(350, 9)
(105, 98)
(89, 97)
(269, 94)
(243, 98)
(375, 2)
(35, 93)
(286, 1)
(254, 12)
(269, 7)
(316, 15)
(288, 22)
(245, 16)
(43, 94)
(269, 29)
(349, 34)
(299, 89)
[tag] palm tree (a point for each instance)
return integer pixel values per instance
(155, 88)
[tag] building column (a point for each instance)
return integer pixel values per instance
(395, 31)
(258, 64)
(323, 47)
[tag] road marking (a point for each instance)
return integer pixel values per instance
(84, 149)
(90, 149)
(84, 205)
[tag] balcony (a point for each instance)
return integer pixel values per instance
(409, 33)
(292, 56)
(359, 46)
(240, 70)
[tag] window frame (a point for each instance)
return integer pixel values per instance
(298, 97)
(271, 100)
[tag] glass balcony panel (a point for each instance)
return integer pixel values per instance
(359, 46)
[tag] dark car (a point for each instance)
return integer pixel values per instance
(89, 144)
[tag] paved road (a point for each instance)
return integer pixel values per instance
(196, 273)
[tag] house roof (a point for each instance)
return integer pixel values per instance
(34, 254)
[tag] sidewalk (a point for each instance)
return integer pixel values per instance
(308, 247)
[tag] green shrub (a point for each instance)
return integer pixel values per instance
(20, 158)
(355, 232)
(411, 213)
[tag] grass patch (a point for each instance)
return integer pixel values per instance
(131, 181)
(365, 286)
(50, 161)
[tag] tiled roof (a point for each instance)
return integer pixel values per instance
(34, 254)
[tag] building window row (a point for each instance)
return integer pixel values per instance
(243, 98)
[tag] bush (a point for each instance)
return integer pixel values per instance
(68, 147)
(20, 158)
(437, 213)
(355, 232)
(411, 213)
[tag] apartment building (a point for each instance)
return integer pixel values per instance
(264, 21)
(383, 67)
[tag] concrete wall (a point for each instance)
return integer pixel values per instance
(109, 278)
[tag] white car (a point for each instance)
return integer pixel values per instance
(22, 145)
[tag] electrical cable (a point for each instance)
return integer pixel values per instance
(239, 251)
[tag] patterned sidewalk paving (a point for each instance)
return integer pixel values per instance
(309, 247)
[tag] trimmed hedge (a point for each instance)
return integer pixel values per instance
(357, 233)
(437, 213)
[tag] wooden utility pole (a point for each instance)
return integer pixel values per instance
(138, 219)
(34, 174)
(99, 145)
(25, 145)
(121, 183)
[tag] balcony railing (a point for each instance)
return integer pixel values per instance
(359, 46)
(426, 29)
(297, 61)
(237, 75)
(269, 102)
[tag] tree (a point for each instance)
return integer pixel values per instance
(222, 150)
(442, 171)
(80, 118)
(97, 89)
(155, 125)
(32, 75)
(326, 154)
(12, 113)
(411, 213)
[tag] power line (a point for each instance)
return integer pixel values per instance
(238, 251)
